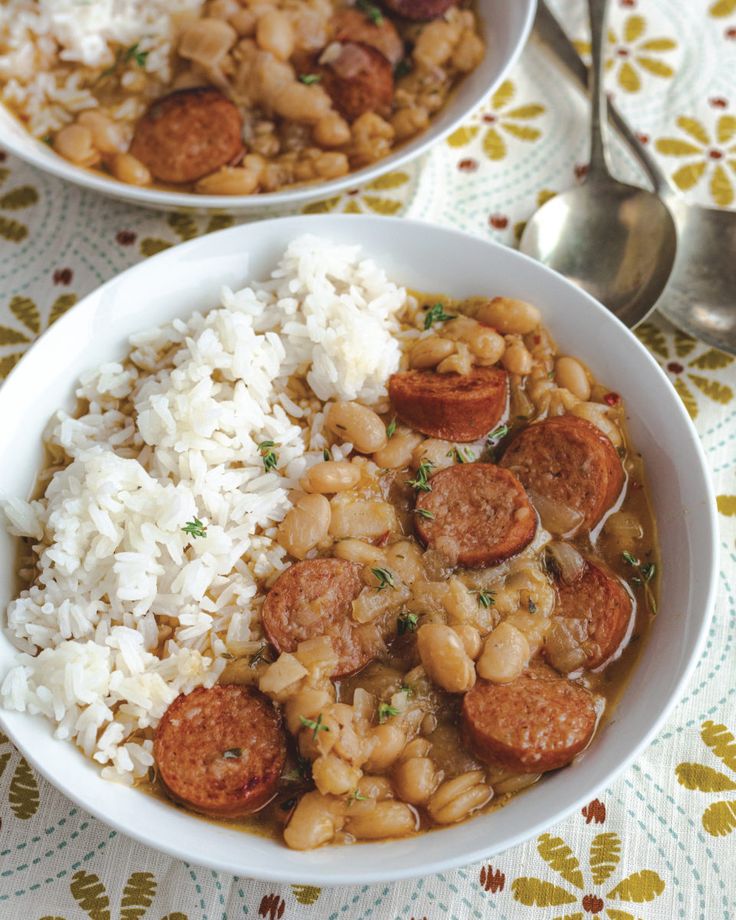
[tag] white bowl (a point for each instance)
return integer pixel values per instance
(505, 26)
(433, 259)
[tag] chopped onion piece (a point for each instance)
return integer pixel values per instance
(558, 518)
(567, 560)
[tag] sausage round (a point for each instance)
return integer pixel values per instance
(359, 80)
(188, 134)
(420, 9)
(454, 407)
(220, 751)
(530, 725)
(476, 514)
(568, 460)
(590, 621)
(353, 26)
(314, 598)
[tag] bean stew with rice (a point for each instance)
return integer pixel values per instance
(235, 97)
(468, 569)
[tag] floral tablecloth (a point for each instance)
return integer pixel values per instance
(661, 841)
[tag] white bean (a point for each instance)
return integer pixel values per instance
(459, 797)
(444, 658)
(570, 374)
(331, 476)
(510, 316)
(505, 654)
(357, 424)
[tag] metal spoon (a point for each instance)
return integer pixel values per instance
(616, 241)
(700, 297)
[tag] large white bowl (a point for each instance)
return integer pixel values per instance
(434, 259)
(505, 26)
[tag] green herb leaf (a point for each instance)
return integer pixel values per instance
(385, 711)
(232, 754)
(269, 456)
(461, 454)
(531, 606)
(135, 54)
(355, 796)
(385, 579)
(402, 68)
(372, 12)
(391, 428)
(326, 455)
(648, 571)
(645, 573)
(423, 512)
(421, 481)
(486, 598)
(497, 434)
(316, 727)
(309, 78)
(262, 656)
(436, 314)
(195, 528)
(409, 691)
(406, 623)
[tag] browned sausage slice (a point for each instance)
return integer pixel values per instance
(568, 460)
(221, 750)
(455, 407)
(188, 134)
(530, 725)
(420, 9)
(590, 621)
(359, 80)
(351, 25)
(476, 514)
(314, 598)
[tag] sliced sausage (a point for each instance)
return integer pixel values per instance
(188, 134)
(454, 407)
(530, 725)
(358, 80)
(315, 598)
(475, 515)
(351, 25)
(590, 621)
(569, 461)
(220, 751)
(420, 9)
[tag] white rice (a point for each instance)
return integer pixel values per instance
(39, 37)
(169, 436)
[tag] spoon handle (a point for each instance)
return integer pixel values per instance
(550, 34)
(598, 15)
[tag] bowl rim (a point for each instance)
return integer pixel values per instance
(334, 877)
(35, 155)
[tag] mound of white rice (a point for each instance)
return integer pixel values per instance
(169, 436)
(39, 37)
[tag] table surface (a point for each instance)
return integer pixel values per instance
(668, 825)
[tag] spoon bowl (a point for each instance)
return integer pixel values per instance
(699, 298)
(616, 241)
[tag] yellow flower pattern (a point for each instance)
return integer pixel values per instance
(496, 120)
(588, 893)
(708, 154)
(719, 818)
(387, 195)
(633, 51)
(689, 365)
